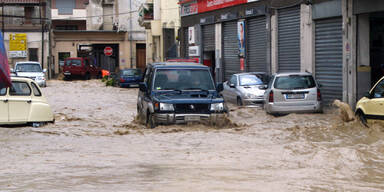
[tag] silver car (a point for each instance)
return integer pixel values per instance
(32, 70)
(245, 88)
(292, 93)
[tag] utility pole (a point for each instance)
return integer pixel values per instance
(130, 33)
(42, 34)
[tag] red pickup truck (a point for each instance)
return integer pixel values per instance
(80, 66)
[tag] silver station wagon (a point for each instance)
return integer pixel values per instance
(292, 93)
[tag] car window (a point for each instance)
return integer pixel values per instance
(28, 67)
(294, 82)
(378, 92)
(233, 80)
(3, 91)
(183, 79)
(73, 62)
(20, 89)
(132, 72)
(247, 80)
(36, 90)
(271, 81)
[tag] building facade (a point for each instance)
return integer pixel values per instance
(161, 19)
(87, 27)
(25, 27)
(339, 41)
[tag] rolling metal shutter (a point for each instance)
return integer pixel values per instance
(289, 39)
(257, 44)
(209, 37)
(186, 43)
(329, 58)
(231, 62)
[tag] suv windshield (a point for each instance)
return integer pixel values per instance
(247, 80)
(294, 82)
(183, 79)
(28, 67)
(73, 62)
(131, 72)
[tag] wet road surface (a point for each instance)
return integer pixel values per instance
(95, 146)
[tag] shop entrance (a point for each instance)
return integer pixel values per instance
(209, 60)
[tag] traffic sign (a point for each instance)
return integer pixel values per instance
(108, 51)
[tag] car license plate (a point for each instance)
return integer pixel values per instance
(295, 96)
(192, 118)
(67, 73)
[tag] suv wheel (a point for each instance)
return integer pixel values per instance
(151, 123)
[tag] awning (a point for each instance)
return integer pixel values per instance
(5, 76)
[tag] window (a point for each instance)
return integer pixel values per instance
(378, 92)
(3, 91)
(20, 89)
(73, 62)
(65, 7)
(36, 90)
(62, 57)
(32, 53)
(294, 82)
(132, 72)
(248, 80)
(233, 80)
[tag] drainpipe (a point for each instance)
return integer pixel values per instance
(42, 34)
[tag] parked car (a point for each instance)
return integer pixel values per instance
(245, 88)
(32, 70)
(371, 106)
(129, 77)
(24, 103)
(292, 93)
(174, 93)
(80, 66)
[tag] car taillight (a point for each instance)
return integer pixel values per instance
(271, 97)
(318, 95)
(121, 80)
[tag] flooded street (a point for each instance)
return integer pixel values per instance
(95, 145)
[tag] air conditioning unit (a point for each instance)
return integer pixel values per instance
(109, 2)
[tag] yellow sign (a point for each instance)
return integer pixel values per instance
(18, 42)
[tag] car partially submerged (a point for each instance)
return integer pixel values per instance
(296, 92)
(24, 103)
(174, 93)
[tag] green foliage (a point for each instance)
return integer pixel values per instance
(110, 82)
(105, 78)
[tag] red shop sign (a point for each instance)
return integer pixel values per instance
(209, 5)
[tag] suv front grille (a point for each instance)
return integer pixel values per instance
(192, 108)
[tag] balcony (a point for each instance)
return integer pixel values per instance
(146, 15)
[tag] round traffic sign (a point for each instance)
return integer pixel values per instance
(108, 51)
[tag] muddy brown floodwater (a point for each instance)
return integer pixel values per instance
(95, 146)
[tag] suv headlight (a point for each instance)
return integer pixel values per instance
(166, 107)
(217, 107)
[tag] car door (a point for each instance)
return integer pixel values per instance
(232, 95)
(4, 117)
(19, 101)
(375, 105)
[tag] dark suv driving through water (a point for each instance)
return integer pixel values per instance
(176, 93)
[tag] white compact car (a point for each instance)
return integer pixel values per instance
(32, 70)
(24, 103)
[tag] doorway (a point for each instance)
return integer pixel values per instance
(209, 60)
(141, 56)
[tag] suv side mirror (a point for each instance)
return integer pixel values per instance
(231, 85)
(12, 70)
(220, 87)
(142, 87)
(44, 70)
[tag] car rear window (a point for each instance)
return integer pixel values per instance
(131, 72)
(183, 79)
(294, 82)
(73, 62)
